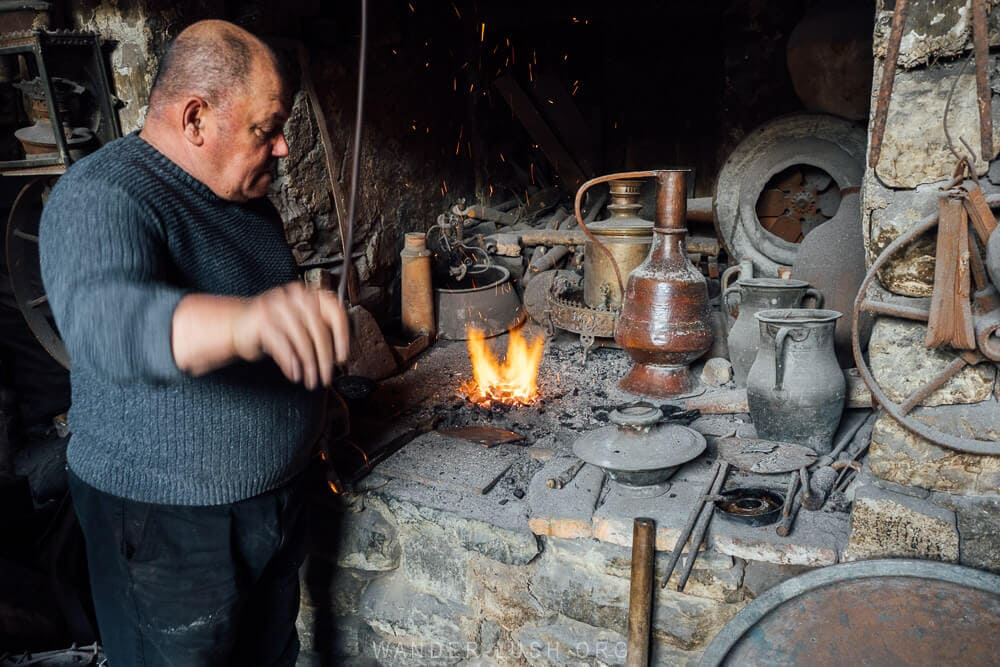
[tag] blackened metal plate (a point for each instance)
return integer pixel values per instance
(881, 612)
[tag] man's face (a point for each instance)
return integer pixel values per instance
(251, 137)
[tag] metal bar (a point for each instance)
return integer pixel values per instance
(788, 521)
(566, 476)
(707, 510)
(888, 78)
(980, 43)
(950, 371)
(692, 518)
(640, 598)
(896, 310)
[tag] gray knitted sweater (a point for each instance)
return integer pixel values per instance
(125, 234)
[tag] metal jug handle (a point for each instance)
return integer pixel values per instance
(727, 276)
(779, 356)
(732, 289)
(816, 295)
(577, 207)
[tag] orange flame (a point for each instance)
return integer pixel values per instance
(512, 382)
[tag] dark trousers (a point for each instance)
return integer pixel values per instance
(189, 586)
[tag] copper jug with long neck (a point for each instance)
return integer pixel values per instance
(665, 319)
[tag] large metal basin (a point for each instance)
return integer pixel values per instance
(486, 301)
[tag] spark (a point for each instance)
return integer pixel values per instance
(413, 10)
(457, 13)
(565, 57)
(454, 83)
(394, 52)
(482, 32)
(531, 76)
(502, 158)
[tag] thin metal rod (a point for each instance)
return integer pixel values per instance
(640, 599)
(356, 149)
(692, 518)
(699, 530)
(888, 78)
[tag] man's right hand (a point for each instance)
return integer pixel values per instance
(305, 331)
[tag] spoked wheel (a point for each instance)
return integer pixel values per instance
(901, 411)
(25, 272)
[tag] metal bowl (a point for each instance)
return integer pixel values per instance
(750, 506)
(485, 300)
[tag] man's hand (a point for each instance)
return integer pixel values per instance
(305, 331)
(302, 329)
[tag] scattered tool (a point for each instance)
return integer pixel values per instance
(704, 518)
(640, 599)
(825, 472)
(715, 481)
(487, 436)
(791, 509)
(765, 457)
(566, 476)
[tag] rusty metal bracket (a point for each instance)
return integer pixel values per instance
(901, 411)
(888, 78)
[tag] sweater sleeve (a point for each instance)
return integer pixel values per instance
(104, 259)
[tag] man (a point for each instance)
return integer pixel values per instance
(195, 352)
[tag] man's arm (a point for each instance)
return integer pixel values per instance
(303, 330)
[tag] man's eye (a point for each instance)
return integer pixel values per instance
(261, 133)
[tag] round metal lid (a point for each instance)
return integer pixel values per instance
(631, 450)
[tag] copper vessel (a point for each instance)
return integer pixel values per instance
(665, 318)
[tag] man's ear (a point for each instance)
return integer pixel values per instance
(194, 112)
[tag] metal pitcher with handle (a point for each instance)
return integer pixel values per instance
(795, 388)
(745, 299)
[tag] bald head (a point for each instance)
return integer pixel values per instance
(213, 60)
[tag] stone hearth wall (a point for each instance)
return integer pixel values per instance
(924, 500)
(412, 585)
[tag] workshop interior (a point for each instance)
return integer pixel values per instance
(675, 326)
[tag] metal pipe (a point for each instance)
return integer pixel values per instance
(707, 510)
(640, 598)
(565, 477)
(888, 78)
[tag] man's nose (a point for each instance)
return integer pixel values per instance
(280, 148)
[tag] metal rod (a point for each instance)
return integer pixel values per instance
(981, 47)
(888, 77)
(692, 518)
(787, 522)
(699, 530)
(793, 485)
(640, 598)
(356, 157)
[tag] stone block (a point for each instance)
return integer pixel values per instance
(714, 576)
(899, 456)
(888, 214)
(563, 641)
(915, 150)
(816, 539)
(934, 29)
(978, 529)
(891, 525)
(759, 577)
(432, 561)
(368, 540)
(565, 512)
(424, 626)
(514, 547)
(902, 365)
(501, 592)
(601, 600)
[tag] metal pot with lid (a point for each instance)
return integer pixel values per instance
(638, 452)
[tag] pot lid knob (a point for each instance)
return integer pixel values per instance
(636, 416)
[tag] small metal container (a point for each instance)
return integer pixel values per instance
(750, 506)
